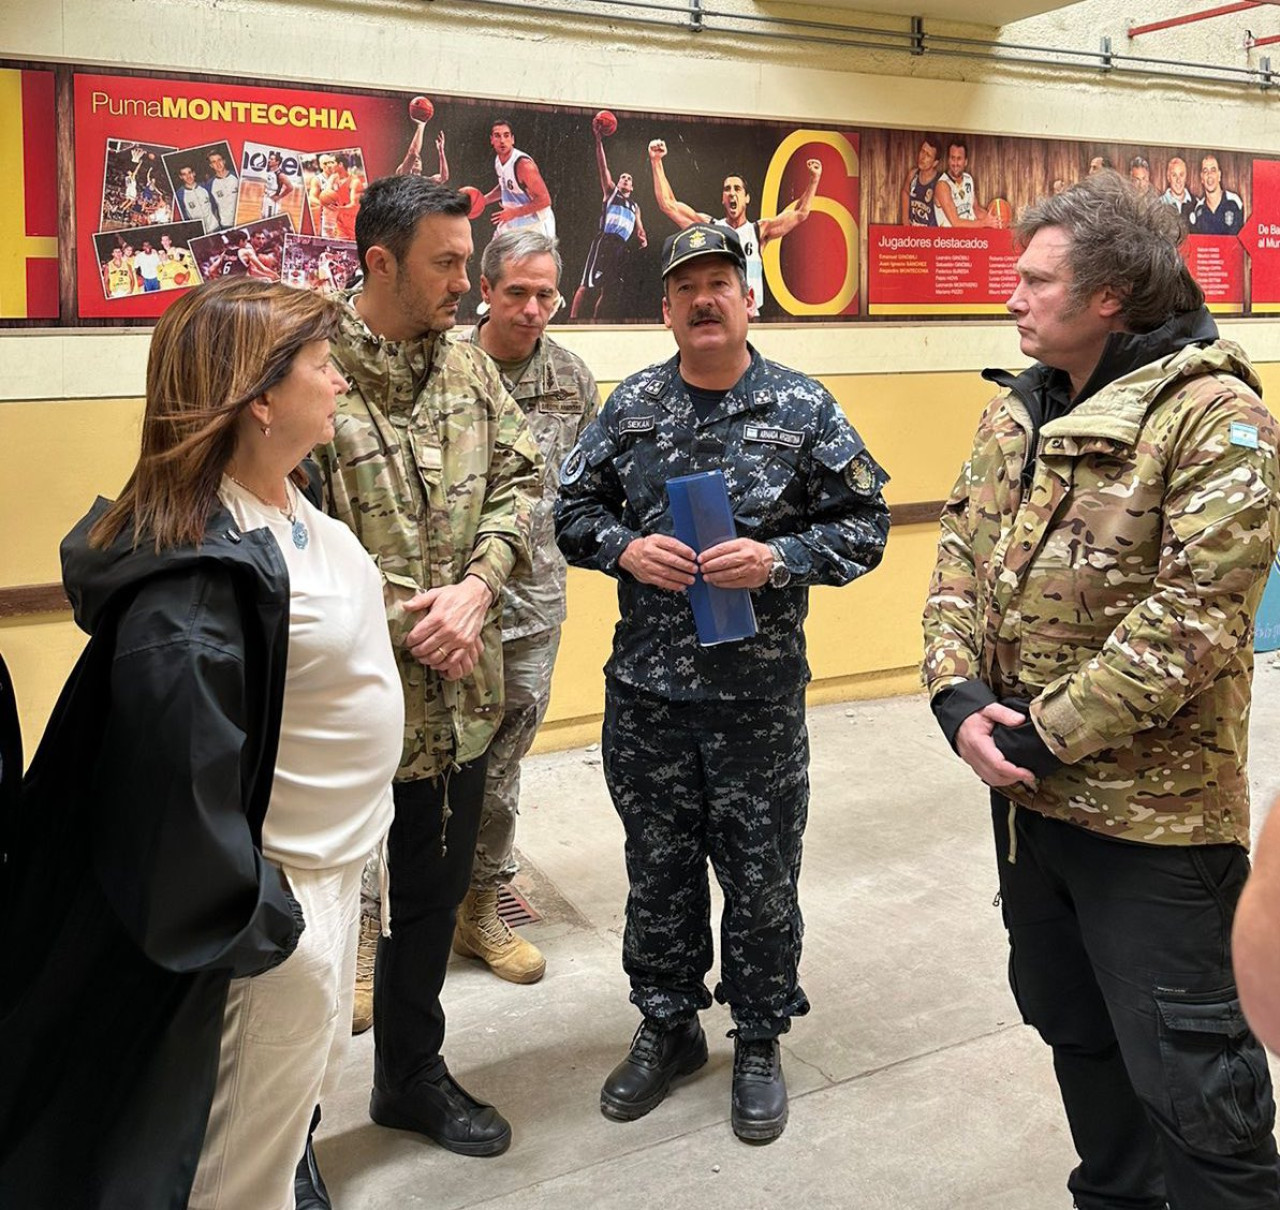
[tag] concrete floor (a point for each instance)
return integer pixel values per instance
(913, 1084)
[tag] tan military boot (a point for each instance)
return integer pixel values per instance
(482, 933)
(362, 1005)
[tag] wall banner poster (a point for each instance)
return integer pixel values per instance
(941, 205)
(182, 179)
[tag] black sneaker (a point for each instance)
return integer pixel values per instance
(445, 1112)
(758, 1108)
(658, 1056)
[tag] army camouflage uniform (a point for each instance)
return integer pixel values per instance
(559, 398)
(1104, 581)
(433, 468)
(705, 748)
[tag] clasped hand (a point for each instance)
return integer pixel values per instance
(978, 749)
(447, 638)
(666, 562)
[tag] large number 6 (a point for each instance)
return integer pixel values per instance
(772, 252)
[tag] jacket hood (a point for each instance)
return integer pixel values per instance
(1126, 352)
(95, 578)
(1137, 365)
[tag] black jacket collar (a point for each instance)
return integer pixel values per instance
(1123, 353)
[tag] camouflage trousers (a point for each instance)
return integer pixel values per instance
(527, 663)
(726, 782)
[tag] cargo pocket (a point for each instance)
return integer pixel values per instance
(1216, 1071)
(397, 591)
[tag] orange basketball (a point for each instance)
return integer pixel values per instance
(421, 109)
(605, 122)
(181, 277)
(1001, 212)
(476, 198)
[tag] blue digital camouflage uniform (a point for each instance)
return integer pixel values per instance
(705, 748)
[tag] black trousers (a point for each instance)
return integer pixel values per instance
(430, 864)
(1120, 957)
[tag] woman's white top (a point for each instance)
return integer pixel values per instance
(342, 727)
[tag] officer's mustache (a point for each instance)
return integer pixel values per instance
(704, 313)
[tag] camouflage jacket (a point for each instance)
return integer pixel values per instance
(797, 475)
(1117, 591)
(433, 468)
(559, 398)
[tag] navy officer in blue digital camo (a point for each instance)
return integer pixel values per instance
(705, 749)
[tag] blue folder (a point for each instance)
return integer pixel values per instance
(703, 518)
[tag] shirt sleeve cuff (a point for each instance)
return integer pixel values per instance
(1024, 746)
(951, 706)
(491, 562)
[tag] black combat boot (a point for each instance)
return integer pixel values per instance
(758, 1109)
(309, 1192)
(658, 1056)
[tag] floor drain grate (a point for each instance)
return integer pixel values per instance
(515, 909)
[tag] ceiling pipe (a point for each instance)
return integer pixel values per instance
(1223, 10)
(913, 41)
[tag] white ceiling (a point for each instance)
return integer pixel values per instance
(976, 12)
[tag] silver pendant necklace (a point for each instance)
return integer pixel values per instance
(297, 529)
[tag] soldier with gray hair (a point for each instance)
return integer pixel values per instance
(433, 467)
(1089, 652)
(520, 283)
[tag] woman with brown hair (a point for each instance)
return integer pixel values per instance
(212, 779)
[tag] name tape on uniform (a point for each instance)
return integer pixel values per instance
(772, 436)
(637, 424)
(569, 405)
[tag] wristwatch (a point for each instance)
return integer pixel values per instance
(779, 573)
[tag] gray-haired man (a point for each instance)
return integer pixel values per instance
(519, 280)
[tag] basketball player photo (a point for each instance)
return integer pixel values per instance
(146, 260)
(270, 184)
(254, 250)
(135, 186)
(333, 190)
(326, 266)
(204, 183)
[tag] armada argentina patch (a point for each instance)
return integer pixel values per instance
(859, 475)
(573, 466)
(771, 435)
(1244, 434)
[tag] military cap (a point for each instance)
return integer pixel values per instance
(701, 239)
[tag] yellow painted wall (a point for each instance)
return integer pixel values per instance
(56, 456)
(863, 640)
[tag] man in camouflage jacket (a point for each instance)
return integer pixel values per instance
(433, 467)
(520, 282)
(1089, 649)
(705, 749)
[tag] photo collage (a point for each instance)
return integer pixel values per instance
(173, 217)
